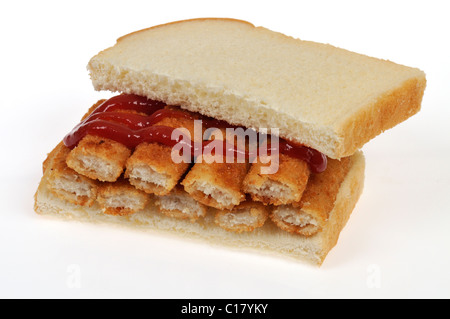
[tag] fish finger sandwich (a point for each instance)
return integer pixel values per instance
(158, 155)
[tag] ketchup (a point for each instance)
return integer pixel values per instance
(129, 102)
(131, 129)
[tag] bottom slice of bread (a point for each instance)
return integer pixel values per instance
(267, 239)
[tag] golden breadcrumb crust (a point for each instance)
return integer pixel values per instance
(318, 199)
(158, 158)
(181, 211)
(255, 209)
(55, 169)
(320, 194)
(180, 122)
(306, 230)
(292, 173)
(225, 177)
(104, 152)
(121, 188)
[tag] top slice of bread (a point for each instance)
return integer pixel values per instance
(325, 97)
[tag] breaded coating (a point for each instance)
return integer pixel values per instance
(63, 181)
(151, 167)
(180, 122)
(51, 155)
(308, 216)
(98, 158)
(216, 184)
(120, 198)
(152, 170)
(179, 204)
(321, 191)
(245, 217)
(66, 183)
(294, 220)
(48, 162)
(283, 187)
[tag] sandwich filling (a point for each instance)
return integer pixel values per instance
(129, 151)
(132, 129)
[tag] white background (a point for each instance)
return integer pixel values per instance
(395, 245)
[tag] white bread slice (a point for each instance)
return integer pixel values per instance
(324, 97)
(267, 239)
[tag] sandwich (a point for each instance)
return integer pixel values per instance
(230, 133)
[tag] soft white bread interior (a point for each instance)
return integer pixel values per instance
(267, 239)
(324, 97)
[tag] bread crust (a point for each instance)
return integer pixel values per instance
(182, 21)
(389, 110)
(346, 199)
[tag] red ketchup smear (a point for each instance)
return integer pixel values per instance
(131, 129)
